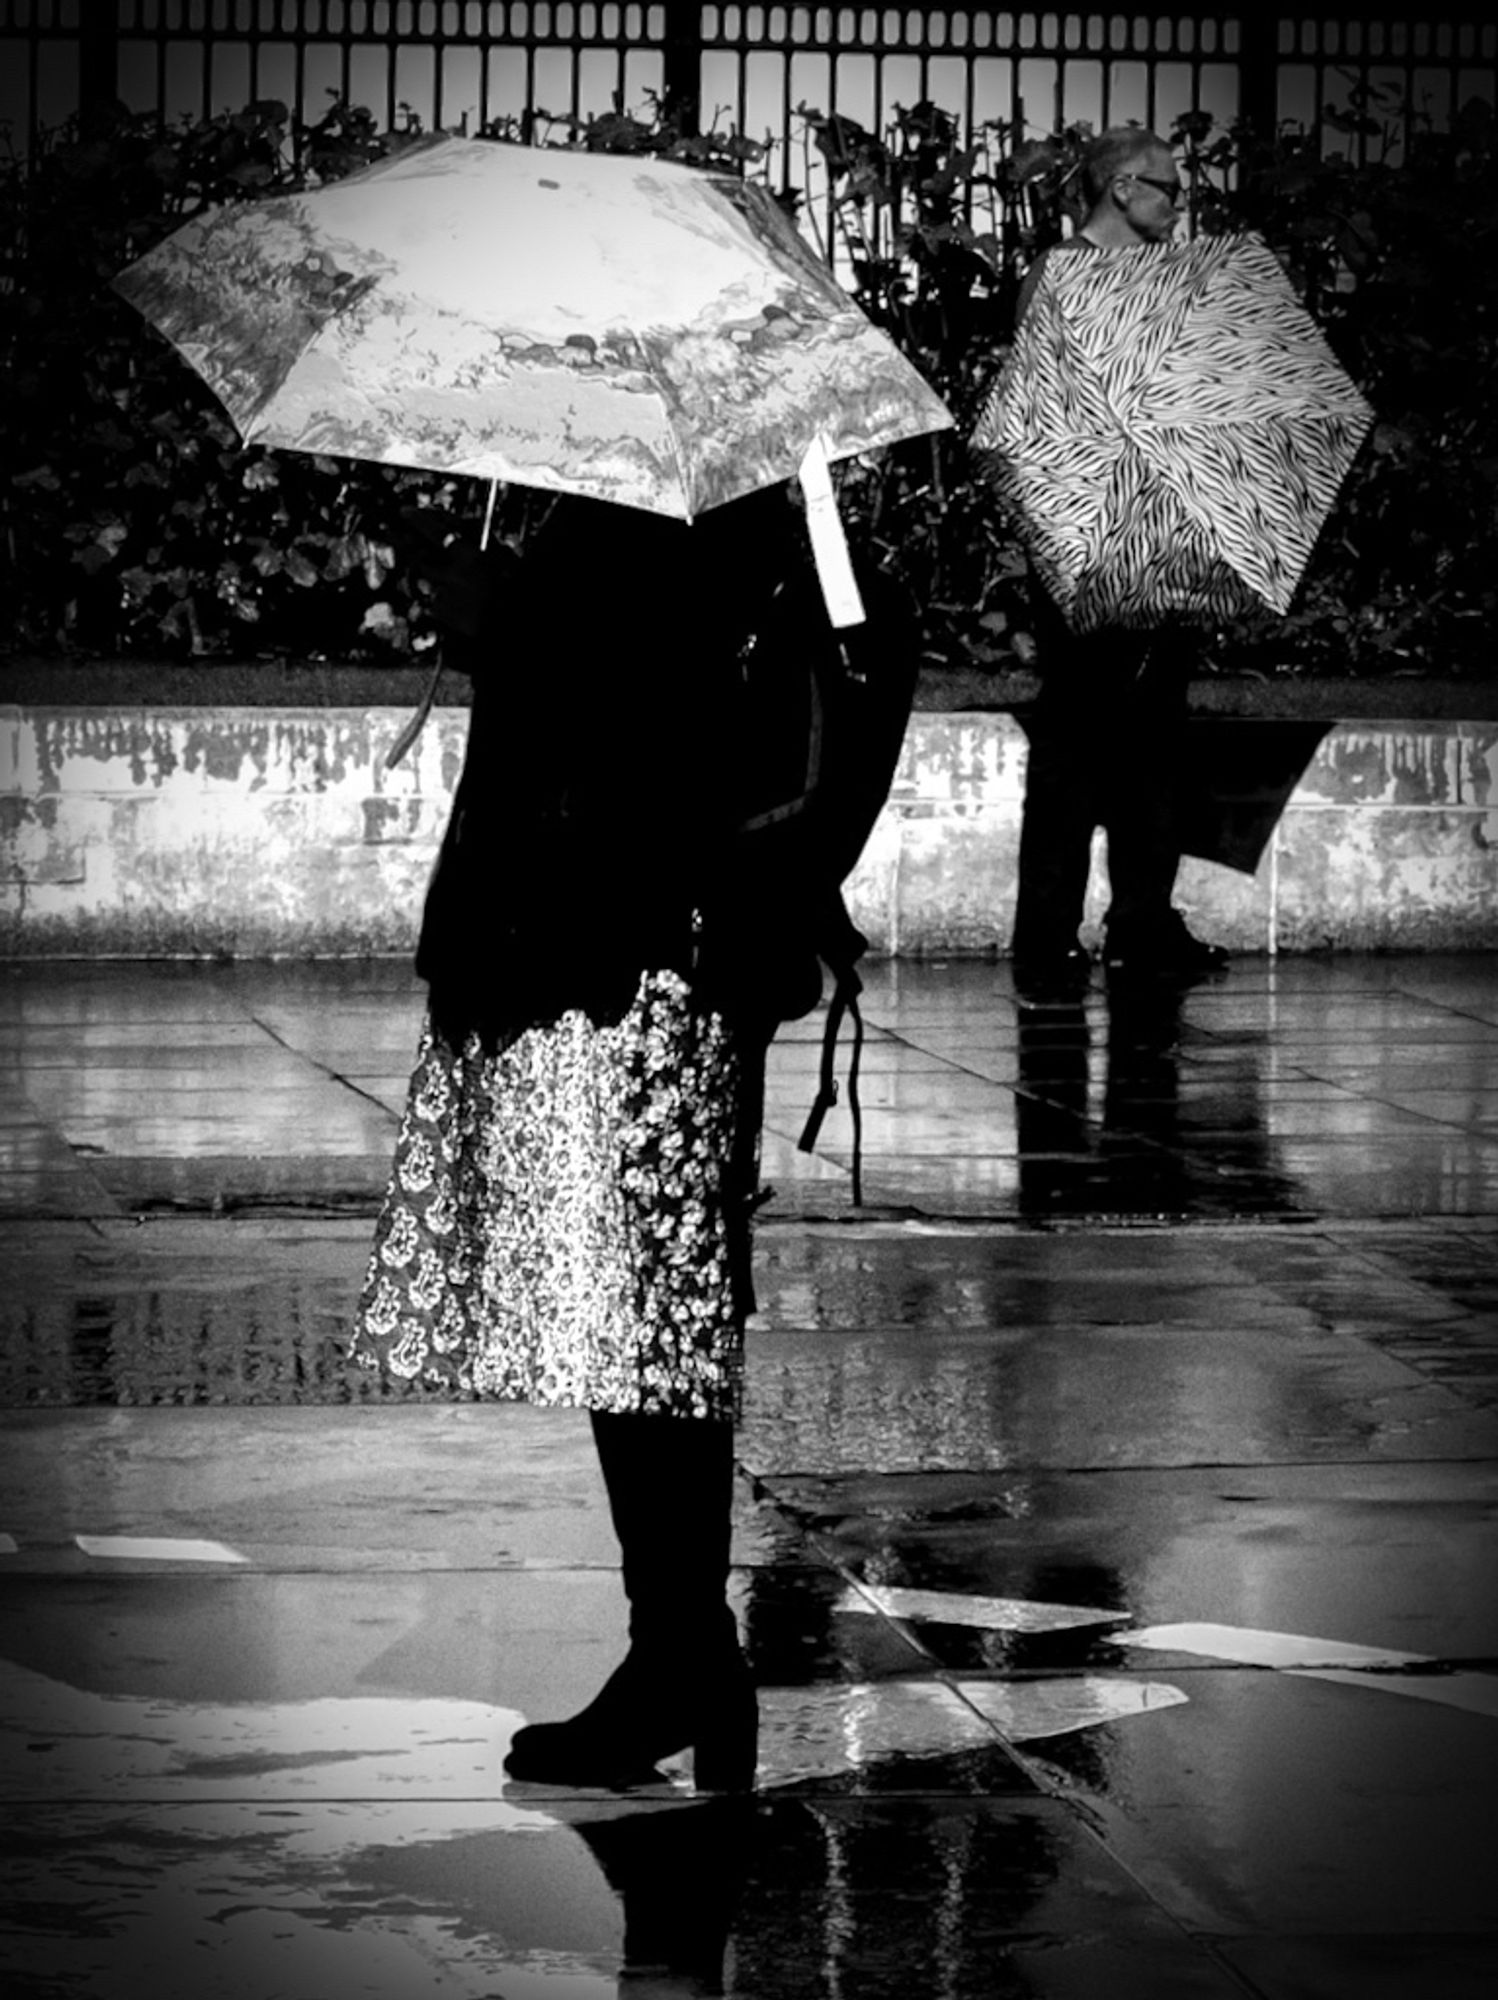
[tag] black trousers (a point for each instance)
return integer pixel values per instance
(1107, 743)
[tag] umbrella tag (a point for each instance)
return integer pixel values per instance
(829, 545)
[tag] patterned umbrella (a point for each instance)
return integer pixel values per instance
(606, 325)
(1170, 431)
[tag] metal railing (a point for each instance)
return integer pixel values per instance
(471, 64)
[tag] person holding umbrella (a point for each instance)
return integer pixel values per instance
(568, 1216)
(608, 956)
(1169, 433)
(1107, 734)
(621, 912)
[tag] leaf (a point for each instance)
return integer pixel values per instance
(385, 623)
(343, 558)
(1193, 125)
(1033, 158)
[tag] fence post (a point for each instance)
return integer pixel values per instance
(98, 65)
(682, 92)
(1258, 71)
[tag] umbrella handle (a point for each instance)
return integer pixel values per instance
(829, 545)
(417, 723)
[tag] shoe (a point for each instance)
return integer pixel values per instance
(651, 1708)
(1165, 952)
(1052, 978)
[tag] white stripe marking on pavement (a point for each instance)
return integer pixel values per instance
(157, 1548)
(950, 1607)
(8, 1546)
(825, 1731)
(1248, 1648)
(1023, 1711)
(111, 1747)
(1323, 1660)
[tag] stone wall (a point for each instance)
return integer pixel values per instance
(159, 830)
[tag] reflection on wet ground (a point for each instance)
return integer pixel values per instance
(1113, 1540)
(1306, 1087)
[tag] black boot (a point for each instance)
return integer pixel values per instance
(685, 1683)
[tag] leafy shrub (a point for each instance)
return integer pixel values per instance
(1396, 262)
(134, 523)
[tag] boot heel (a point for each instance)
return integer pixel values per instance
(726, 1751)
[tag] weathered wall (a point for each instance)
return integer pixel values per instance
(251, 832)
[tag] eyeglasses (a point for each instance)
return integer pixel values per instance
(1174, 193)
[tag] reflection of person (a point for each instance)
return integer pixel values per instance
(679, 1873)
(1155, 1144)
(569, 1211)
(1107, 731)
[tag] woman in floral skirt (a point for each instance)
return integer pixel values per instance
(568, 1215)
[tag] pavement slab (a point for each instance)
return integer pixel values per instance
(1113, 1536)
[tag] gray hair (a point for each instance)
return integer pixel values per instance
(1112, 153)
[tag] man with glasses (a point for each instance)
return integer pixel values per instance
(1107, 732)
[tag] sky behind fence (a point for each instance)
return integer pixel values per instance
(462, 64)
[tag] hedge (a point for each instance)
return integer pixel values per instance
(136, 526)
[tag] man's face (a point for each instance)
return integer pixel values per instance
(1148, 196)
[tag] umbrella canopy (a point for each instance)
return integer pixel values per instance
(1237, 780)
(607, 325)
(1170, 430)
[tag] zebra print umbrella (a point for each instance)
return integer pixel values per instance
(1170, 431)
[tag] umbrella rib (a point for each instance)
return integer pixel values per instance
(678, 459)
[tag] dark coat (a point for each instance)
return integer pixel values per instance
(591, 829)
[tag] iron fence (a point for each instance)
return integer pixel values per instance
(470, 64)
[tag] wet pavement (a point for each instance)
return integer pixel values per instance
(1114, 1536)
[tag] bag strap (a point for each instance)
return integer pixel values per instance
(815, 732)
(844, 1000)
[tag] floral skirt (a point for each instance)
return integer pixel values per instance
(567, 1221)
